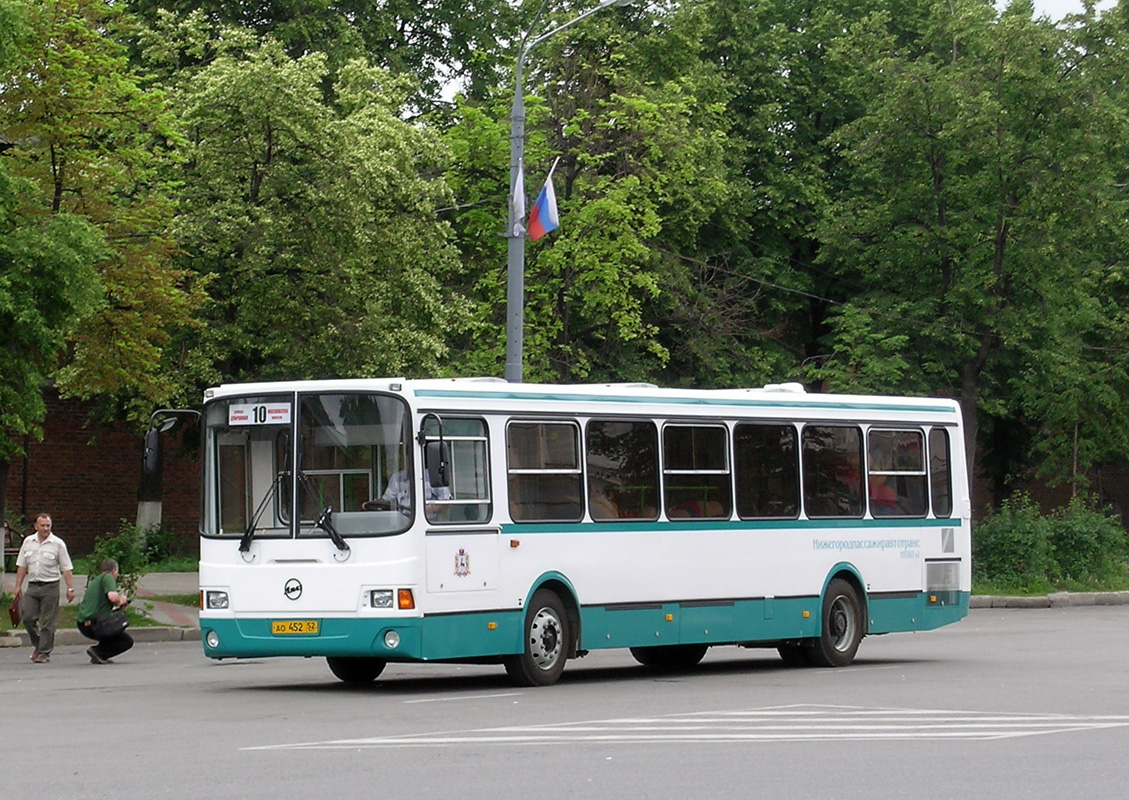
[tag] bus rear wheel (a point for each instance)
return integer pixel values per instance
(546, 642)
(841, 630)
(356, 670)
(671, 657)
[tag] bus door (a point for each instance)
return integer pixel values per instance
(462, 543)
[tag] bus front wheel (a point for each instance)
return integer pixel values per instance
(356, 670)
(841, 630)
(546, 642)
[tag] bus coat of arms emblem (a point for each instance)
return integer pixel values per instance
(462, 563)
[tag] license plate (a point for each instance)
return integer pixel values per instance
(283, 627)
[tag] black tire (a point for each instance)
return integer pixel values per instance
(670, 657)
(794, 655)
(356, 670)
(546, 642)
(841, 626)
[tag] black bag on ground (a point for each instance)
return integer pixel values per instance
(109, 625)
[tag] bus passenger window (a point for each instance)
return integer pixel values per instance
(623, 470)
(696, 472)
(767, 471)
(544, 471)
(940, 479)
(896, 477)
(832, 470)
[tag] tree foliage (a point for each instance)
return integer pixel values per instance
(92, 139)
(968, 162)
(314, 223)
(920, 196)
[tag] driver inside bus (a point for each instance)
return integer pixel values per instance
(398, 494)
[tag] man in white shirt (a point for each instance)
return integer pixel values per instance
(43, 559)
(398, 494)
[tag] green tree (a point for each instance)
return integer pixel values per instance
(47, 275)
(315, 224)
(642, 173)
(93, 140)
(435, 41)
(787, 99)
(976, 149)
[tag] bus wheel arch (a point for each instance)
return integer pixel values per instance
(843, 621)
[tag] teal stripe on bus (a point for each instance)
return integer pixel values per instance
(651, 526)
(573, 397)
(486, 634)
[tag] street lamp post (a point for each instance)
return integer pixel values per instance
(515, 232)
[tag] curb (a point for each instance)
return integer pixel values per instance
(1053, 600)
(141, 634)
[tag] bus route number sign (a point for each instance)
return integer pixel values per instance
(259, 414)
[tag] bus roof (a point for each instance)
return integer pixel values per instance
(466, 392)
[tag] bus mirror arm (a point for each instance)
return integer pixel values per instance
(436, 455)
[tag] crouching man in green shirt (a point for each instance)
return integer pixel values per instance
(102, 598)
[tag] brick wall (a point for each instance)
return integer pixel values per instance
(86, 476)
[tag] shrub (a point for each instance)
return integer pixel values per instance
(127, 547)
(159, 544)
(1077, 545)
(1012, 546)
(1087, 545)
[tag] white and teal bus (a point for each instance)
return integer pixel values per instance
(472, 520)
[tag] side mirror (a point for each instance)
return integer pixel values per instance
(160, 421)
(436, 458)
(152, 450)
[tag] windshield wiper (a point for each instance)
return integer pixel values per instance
(326, 525)
(249, 534)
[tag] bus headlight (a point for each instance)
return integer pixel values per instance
(380, 598)
(212, 639)
(216, 600)
(391, 640)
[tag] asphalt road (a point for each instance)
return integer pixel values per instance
(1006, 704)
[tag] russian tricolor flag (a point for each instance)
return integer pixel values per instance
(544, 217)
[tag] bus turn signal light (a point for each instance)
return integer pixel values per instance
(405, 599)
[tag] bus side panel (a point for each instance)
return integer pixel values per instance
(472, 635)
(723, 622)
(623, 625)
(748, 620)
(938, 614)
(914, 611)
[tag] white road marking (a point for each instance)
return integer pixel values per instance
(461, 698)
(796, 723)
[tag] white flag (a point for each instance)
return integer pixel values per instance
(517, 200)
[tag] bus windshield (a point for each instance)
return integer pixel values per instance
(351, 450)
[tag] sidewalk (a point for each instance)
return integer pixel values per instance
(176, 623)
